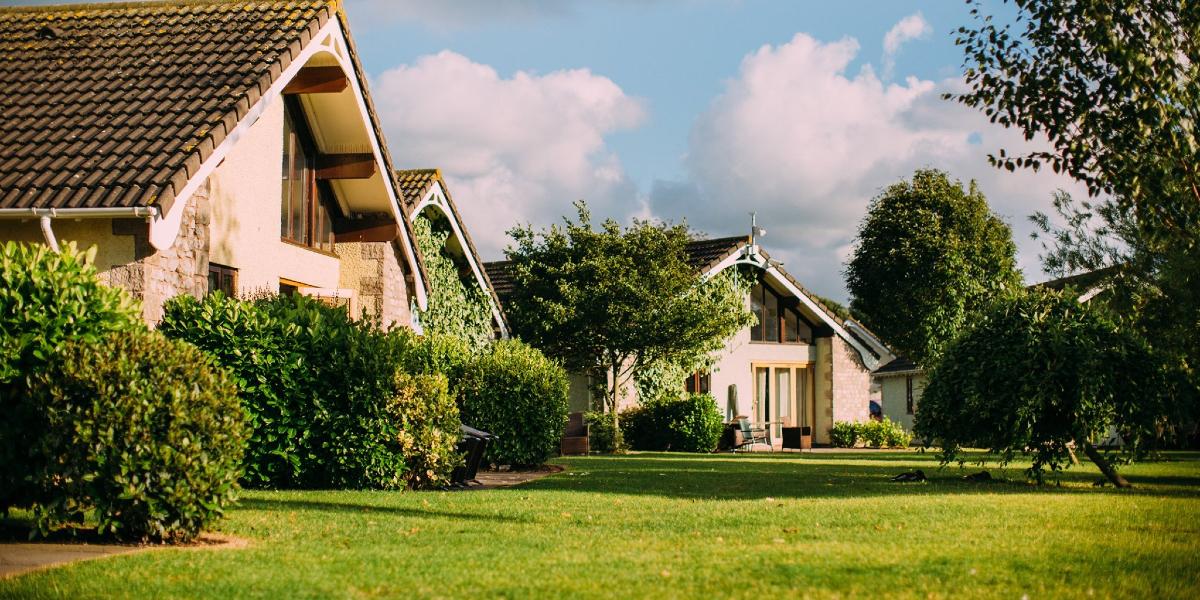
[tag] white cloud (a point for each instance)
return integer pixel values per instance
(518, 149)
(912, 27)
(807, 145)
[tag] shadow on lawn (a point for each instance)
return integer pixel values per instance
(284, 504)
(849, 475)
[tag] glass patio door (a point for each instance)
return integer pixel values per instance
(782, 397)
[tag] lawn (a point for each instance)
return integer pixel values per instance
(672, 525)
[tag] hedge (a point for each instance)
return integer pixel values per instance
(690, 423)
(327, 404)
(514, 391)
(144, 431)
(47, 298)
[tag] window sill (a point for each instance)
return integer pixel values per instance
(760, 343)
(310, 248)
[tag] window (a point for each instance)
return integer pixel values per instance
(908, 394)
(698, 383)
(778, 321)
(305, 216)
(222, 279)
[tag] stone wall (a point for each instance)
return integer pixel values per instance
(851, 383)
(375, 272)
(156, 276)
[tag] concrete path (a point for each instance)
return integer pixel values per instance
(16, 559)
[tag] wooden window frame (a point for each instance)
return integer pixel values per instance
(319, 208)
(699, 382)
(223, 271)
(909, 404)
(759, 328)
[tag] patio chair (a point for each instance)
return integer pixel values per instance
(752, 435)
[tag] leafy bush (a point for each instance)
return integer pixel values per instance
(326, 404)
(433, 354)
(267, 359)
(690, 423)
(427, 427)
(844, 434)
(874, 434)
(602, 432)
(144, 430)
(514, 391)
(896, 436)
(46, 299)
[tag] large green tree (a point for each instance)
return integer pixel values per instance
(1041, 371)
(929, 254)
(1114, 87)
(612, 301)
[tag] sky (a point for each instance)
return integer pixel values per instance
(697, 110)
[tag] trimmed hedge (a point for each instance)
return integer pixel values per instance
(690, 423)
(46, 299)
(326, 401)
(514, 391)
(873, 434)
(145, 431)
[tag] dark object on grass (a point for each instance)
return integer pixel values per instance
(980, 477)
(1100, 482)
(473, 444)
(917, 475)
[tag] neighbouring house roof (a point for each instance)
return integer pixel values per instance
(1087, 284)
(415, 185)
(500, 274)
(706, 254)
(899, 366)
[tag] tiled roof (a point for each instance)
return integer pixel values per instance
(500, 274)
(705, 254)
(415, 183)
(900, 365)
(109, 105)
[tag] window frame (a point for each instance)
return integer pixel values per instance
(758, 296)
(223, 271)
(909, 404)
(699, 382)
(319, 210)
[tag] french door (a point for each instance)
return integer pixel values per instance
(783, 394)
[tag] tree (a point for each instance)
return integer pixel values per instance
(1114, 88)
(613, 301)
(1035, 374)
(928, 255)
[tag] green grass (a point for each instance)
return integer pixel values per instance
(672, 525)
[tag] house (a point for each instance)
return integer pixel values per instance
(799, 369)
(203, 146)
(902, 381)
(426, 196)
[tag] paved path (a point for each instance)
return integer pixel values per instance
(22, 558)
(498, 479)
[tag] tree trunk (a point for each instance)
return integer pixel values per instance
(1074, 459)
(1096, 457)
(614, 392)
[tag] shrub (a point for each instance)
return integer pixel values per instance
(46, 299)
(601, 432)
(266, 358)
(895, 434)
(690, 423)
(514, 391)
(326, 404)
(144, 430)
(844, 434)
(427, 428)
(874, 434)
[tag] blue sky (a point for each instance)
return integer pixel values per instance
(674, 55)
(701, 110)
